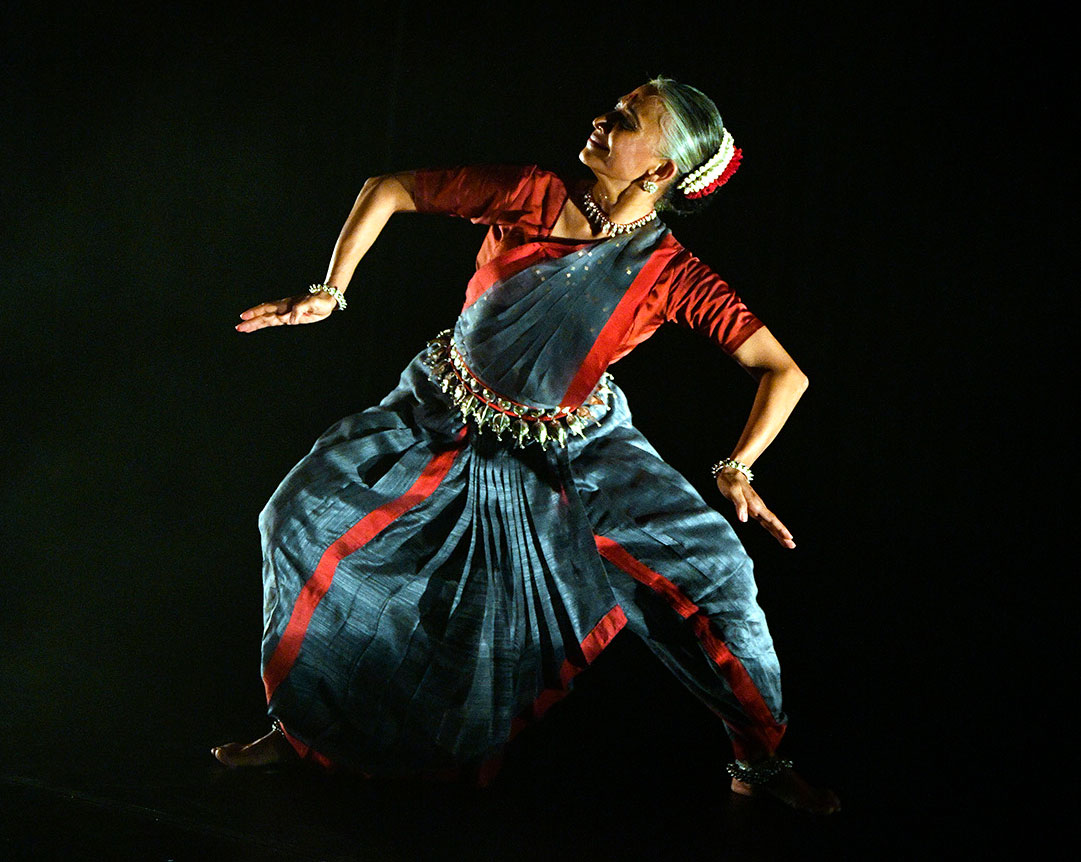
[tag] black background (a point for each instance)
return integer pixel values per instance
(899, 221)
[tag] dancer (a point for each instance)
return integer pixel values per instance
(439, 567)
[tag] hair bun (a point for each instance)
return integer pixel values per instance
(714, 172)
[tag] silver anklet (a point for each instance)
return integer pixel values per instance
(762, 773)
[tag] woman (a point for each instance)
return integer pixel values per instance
(439, 567)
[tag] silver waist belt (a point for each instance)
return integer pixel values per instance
(490, 411)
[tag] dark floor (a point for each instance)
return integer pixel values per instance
(630, 767)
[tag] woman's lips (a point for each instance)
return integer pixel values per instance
(598, 144)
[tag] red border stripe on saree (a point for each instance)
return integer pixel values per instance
(731, 667)
(511, 262)
(362, 532)
(593, 645)
(617, 326)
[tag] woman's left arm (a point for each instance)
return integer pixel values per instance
(780, 385)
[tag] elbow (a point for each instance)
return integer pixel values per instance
(390, 191)
(368, 191)
(373, 184)
(378, 187)
(789, 379)
(792, 379)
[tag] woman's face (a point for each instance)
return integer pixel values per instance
(626, 140)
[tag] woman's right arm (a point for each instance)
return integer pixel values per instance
(378, 200)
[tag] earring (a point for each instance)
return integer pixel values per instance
(649, 186)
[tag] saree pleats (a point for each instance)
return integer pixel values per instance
(428, 585)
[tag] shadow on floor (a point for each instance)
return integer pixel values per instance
(629, 767)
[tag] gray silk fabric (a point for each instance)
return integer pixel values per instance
(548, 316)
(457, 616)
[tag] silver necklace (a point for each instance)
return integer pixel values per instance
(597, 216)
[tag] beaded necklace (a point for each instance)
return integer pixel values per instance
(597, 216)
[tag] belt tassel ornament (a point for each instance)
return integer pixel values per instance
(488, 411)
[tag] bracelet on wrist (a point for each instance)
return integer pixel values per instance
(735, 465)
(339, 297)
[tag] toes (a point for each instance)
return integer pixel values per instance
(826, 803)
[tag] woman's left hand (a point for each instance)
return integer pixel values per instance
(290, 311)
(734, 485)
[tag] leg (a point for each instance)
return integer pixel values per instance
(681, 574)
(731, 684)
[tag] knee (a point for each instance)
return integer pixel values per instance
(268, 519)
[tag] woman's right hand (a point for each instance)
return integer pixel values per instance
(305, 308)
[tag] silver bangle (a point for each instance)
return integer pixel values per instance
(761, 773)
(735, 465)
(339, 297)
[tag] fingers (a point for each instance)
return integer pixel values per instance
(749, 505)
(279, 306)
(740, 499)
(771, 522)
(263, 315)
(780, 532)
(285, 312)
(268, 318)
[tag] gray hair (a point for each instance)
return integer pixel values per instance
(691, 130)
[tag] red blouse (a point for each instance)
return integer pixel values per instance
(522, 204)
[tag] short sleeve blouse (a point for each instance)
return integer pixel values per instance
(521, 204)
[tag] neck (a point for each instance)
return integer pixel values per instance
(606, 191)
(618, 200)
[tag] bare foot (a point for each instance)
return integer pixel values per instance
(790, 788)
(272, 748)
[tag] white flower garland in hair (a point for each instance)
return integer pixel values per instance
(711, 169)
